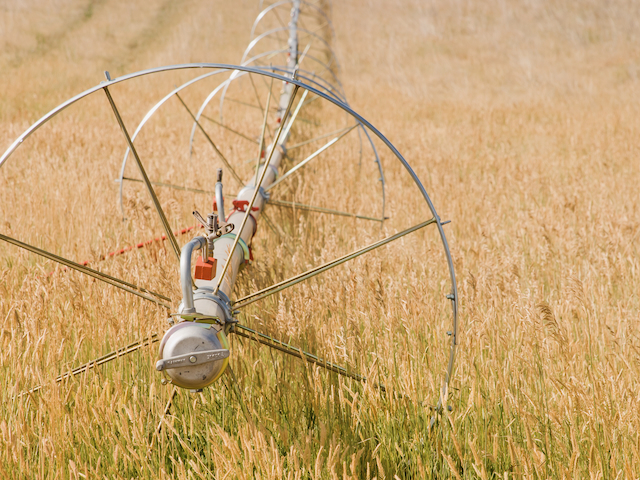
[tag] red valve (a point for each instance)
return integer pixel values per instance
(241, 205)
(205, 270)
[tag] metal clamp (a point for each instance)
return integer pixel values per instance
(192, 359)
(197, 318)
(221, 299)
(262, 192)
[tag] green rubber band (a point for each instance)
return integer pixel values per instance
(245, 249)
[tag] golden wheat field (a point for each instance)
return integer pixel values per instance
(521, 118)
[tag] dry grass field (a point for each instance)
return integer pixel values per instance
(522, 120)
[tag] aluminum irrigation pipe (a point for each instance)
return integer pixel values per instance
(256, 191)
(231, 259)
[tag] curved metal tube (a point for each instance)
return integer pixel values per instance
(258, 38)
(196, 243)
(379, 163)
(342, 105)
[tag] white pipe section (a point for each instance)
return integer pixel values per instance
(223, 245)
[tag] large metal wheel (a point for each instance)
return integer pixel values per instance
(326, 221)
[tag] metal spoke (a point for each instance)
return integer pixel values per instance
(218, 152)
(315, 30)
(254, 297)
(169, 185)
(304, 54)
(285, 134)
(256, 190)
(243, 103)
(310, 208)
(116, 282)
(275, 12)
(310, 122)
(255, 92)
(271, 342)
(154, 198)
(316, 97)
(277, 37)
(309, 158)
(277, 203)
(270, 87)
(240, 134)
(264, 127)
(264, 111)
(340, 130)
(273, 228)
(120, 352)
